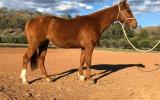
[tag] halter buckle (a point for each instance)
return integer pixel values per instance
(126, 18)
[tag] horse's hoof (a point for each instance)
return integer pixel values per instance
(25, 82)
(81, 77)
(91, 81)
(49, 80)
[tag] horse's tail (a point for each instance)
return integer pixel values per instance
(25, 29)
(33, 61)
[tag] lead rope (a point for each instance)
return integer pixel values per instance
(125, 34)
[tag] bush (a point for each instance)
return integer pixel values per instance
(154, 43)
(123, 43)
(145, 43)
(134, 41)
(113, 44)
(143, 34)
(102, 43)
(107, 44)
(13, 39)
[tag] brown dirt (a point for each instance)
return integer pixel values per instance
(116, 73)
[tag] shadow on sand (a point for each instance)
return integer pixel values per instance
(108, 69)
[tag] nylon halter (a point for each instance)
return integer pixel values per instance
(126, 18)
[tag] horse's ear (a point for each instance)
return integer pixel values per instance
(123, 2)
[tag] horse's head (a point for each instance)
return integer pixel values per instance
(125, 15)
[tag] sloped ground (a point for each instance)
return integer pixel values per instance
(117, 74)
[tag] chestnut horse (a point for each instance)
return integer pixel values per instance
(80, 32)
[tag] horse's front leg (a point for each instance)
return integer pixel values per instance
(82, 61)
(89, 52)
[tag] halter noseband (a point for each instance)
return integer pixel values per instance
(126, 18)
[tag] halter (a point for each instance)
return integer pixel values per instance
(126, 18)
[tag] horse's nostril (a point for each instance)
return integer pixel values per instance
(134, 26)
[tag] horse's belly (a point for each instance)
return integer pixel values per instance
(66, 43)
(66, 39)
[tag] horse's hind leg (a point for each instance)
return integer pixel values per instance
(41, 59)
(26, 58)
(82, 61)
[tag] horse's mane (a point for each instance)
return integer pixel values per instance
(91, 14)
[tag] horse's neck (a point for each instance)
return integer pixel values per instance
(106, 17)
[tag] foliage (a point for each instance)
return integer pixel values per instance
(13, 39)
(113, 38)
(11, 19)
(12, 24)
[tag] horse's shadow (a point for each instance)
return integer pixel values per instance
(107, 69)
(60, 75)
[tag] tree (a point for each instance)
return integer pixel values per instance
(67, 16)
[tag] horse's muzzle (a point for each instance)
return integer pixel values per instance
(134, 24)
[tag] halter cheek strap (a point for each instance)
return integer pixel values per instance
(126, 18)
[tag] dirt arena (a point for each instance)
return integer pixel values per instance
(117, 74)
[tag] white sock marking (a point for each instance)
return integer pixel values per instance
(81, 77)
(23, 75)
(48, 79)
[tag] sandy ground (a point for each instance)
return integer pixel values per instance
(116, 73)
